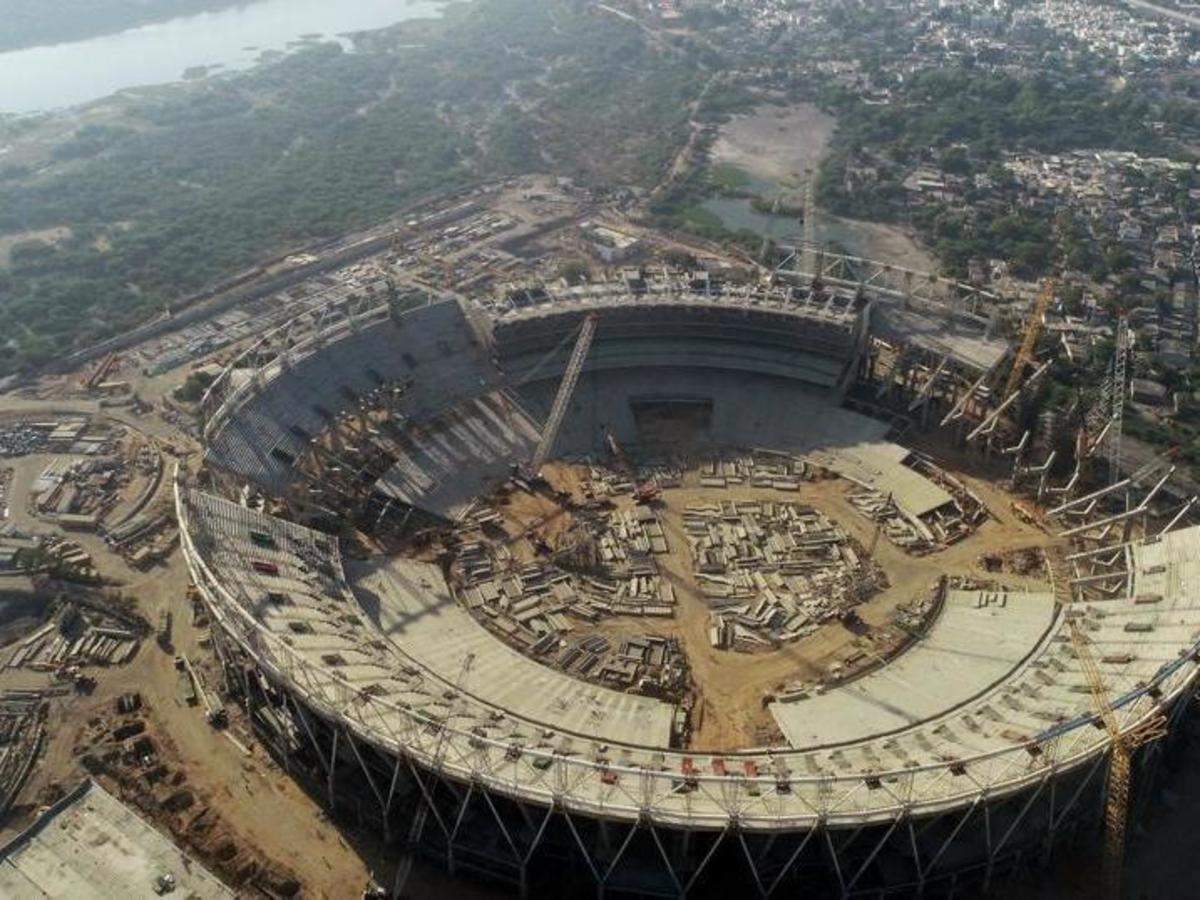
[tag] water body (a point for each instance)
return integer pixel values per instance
(871, 240)
(61, 75)
(737, 214)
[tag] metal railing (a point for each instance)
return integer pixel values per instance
(665, 785)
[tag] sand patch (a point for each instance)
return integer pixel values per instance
(776, 143)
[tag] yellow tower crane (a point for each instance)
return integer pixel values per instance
(1120, 762)
(1033, 330)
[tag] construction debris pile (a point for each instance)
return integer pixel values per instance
(907, 534)
(80, 633)
(141, 767)
(21, 735)
(601, 566)
(772, 572)
(651, 664)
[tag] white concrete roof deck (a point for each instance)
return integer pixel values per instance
(91, 846)
(979, 638)
(417, 613)
(938, 764)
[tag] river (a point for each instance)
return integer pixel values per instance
(61, 75)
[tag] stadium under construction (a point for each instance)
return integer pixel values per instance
(404, 655)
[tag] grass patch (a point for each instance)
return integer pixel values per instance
(728, 178)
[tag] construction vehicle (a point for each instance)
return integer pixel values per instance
(647, 492)
(214, 711)
(165, 621)
(643, 491)
(618, 453)
(164, 884)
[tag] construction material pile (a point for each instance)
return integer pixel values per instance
(21, 735)
(600, 567)
(630, 538)
(772, 572)
(79, 634)
(906, 533)
(652, 664)
(757, 470)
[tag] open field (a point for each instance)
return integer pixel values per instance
(769, 152)
(775, 144)
(893, 244)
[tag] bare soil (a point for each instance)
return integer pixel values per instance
(49, 235)
(732, 685)
(776, 143)
(893, 244)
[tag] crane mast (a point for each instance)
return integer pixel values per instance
(1120, 763)
(570, 377)
(1119, 389)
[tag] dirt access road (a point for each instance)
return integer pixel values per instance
(258, 803)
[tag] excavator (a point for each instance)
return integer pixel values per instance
(643, 491)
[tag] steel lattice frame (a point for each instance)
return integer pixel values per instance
(444, 770)
(468, 827)
(968, 819)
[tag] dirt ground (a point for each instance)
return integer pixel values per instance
(891, 244)
(261, 806)
(731, 684)
(776, 143)
(49, 235)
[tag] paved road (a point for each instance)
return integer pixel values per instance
(1165, 11)
(149, 424)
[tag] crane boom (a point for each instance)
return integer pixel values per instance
(1033, 330)
(563, 397)
(1119, 390)
(1116, 808)
(1120, 763)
